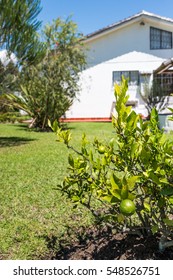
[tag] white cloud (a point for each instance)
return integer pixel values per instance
(5, 58)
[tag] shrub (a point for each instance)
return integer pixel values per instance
(12, 117)
(136, 166)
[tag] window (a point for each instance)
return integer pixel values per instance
(160, 39)
(164, 83)
(132, 76)
(145, 77)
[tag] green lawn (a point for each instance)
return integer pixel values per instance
(32, 211)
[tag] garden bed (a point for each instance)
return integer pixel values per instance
(104, 245)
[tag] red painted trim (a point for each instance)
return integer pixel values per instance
(85, 120)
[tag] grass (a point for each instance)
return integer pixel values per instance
(32, 210)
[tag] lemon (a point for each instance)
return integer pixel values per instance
(127, 207)
(101, 149)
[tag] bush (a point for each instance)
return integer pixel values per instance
(12, 117)
(133, 172)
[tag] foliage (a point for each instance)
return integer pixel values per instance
(8, 77)
(18, 26)
(8, 84)
(13, 117)
(136, 165)
(49, 88)
(154, 96)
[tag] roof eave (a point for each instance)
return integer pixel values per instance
(109, 29)
(141, 16)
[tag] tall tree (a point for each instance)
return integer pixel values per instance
(8, 77)
(49, 88)
(18, 26)
(9, 74)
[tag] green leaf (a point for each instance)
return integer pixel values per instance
(132, 120)
(24, 89)
(107, 198)
(134, 149)
(120, 218)
(115, 182)
(154, 115)
(154, 229)
(84, 140)
(55, 126)
(114, 200)
(49, 124)
(71, 160)
(168, 222)
(167, 191)
(75, 198)
(124, 192)
(111, 142)
(164, 181)
(154, 178)
(131, 196)
(171, 199)
(91, 156)
(104, 161)
(115, 191)
(171, 109)
(147, 206)
(161, 202)
(131, 181)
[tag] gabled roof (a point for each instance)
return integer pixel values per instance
(141, 15)
(132, 61)
(136, 57)
(135, 61)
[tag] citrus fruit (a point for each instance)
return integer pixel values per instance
(127, 207)
(101, 149)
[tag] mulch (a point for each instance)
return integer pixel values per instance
(96, 244)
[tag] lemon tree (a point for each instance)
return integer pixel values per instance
(129, 174)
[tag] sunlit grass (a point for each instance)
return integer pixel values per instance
(31, 208)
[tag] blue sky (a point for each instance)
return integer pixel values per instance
(91, 15)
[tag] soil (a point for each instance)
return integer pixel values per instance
(95, 244)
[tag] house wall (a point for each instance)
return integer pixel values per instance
(96, 94)
(127, 48)
(134, 37)
(97, 89)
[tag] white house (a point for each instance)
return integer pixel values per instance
(134, 47)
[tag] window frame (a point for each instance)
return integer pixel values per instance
(161, 42)
(129, 76)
